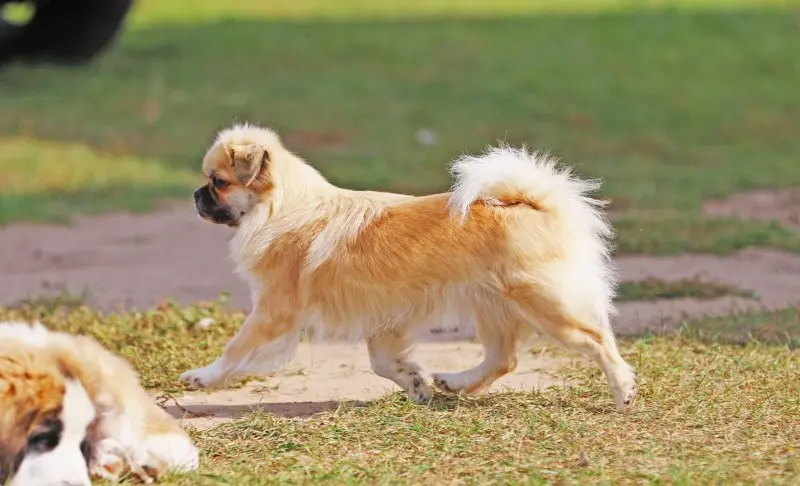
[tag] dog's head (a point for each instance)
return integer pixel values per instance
(45, 417)
(238, 172)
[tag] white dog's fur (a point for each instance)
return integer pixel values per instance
(518, 245)
(88, 406)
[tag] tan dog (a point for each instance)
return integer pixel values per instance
(517, 246)
(71, 410)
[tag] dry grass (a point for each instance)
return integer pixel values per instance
(781, 327)
(161, 343)
(656, 288)
(708, 413)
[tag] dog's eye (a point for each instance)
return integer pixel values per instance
(218, 183)
(44, 441)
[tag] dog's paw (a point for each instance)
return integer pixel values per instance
(109, 461)
(149, 470)
(447, 382)
(419, 391)
(627, 399)
(205, 377)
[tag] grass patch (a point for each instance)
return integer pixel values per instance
(618, 88)
(179, 11)
(781, 327)
(49, 181)
(50, 302)
(655, 288)
(31, 166)
(161, 344)
(708, 413)
(674, 235)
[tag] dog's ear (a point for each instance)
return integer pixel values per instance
(248, 161)
(13, 436)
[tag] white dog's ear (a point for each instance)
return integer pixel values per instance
(248, 161)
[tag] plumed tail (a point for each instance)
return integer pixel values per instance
(521, 180)
(507, 176)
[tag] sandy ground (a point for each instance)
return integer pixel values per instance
(321, 376)
(135, 261)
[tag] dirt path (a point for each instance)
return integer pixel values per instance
(322, 375)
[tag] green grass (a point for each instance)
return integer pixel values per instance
(670, 102)
(675, 234)
(715, 407)
(779, 327)
(50, 181)
(654, 288)
(53, 300)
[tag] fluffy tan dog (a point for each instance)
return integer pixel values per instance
(71, 410)
(517, 246)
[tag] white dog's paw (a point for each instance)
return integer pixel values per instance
(623, 387)
(205, 377)
(626, 399)
(419, 391)
(448, 382)
(109, 460)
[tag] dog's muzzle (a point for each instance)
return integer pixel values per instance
(209, 209)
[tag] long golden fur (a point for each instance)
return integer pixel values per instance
(517, 246)
(71, 410)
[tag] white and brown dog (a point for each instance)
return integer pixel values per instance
(518, 245)
(70, 410)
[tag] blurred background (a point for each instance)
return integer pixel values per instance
(671, 102)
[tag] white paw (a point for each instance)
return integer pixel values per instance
(205, 377)
(626, 398)
(175, 450)
(419, 391)
(109, 460)
(448, 382)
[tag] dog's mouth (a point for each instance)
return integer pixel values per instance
(218, 218)
(210, 210)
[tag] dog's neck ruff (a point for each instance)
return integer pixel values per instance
(299, 196)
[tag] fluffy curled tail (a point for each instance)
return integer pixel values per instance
(506, 177)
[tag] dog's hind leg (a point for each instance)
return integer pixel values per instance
(263, 343)
(388, 354)
(498, 332)
(588, 336)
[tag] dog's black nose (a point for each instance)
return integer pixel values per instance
(197, 195)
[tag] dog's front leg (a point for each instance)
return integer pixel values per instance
(388, 354)
(265, 341)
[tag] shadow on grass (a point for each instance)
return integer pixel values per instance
(439, 401)
(286, 410)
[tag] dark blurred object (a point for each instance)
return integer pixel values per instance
(61, 31)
